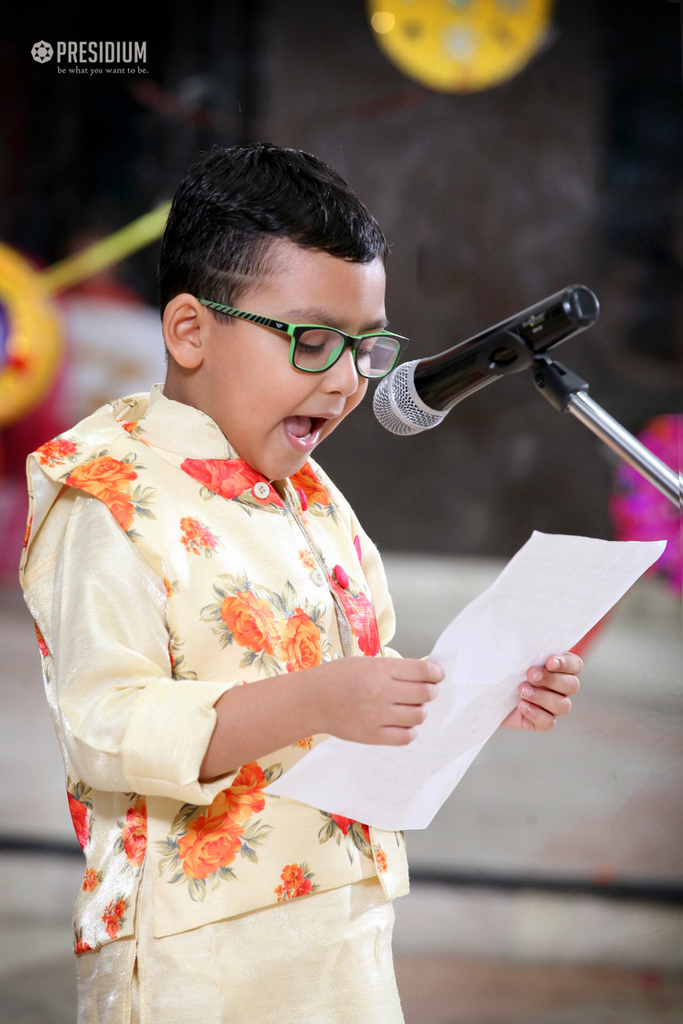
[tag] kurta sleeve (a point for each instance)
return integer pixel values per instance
(127, 725)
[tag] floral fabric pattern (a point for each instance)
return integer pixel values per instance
(354, 834)
(232, 479)
(57, 452)
(91, 879)
(110, 480)
(361, 616)
(177, 658)
(114, 915)
(296, 881)
(319, 501)
(205, 841)
(307, 560)
(80, 945)
(196, 537)
(278, 634)
(41, 642)
(80, 807)
(133, 839)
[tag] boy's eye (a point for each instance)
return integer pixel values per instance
(314, 349)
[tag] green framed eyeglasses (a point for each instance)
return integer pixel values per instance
(315, 348)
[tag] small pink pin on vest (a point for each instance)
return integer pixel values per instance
(341, 577)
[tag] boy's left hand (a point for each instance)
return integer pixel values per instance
(546, 693)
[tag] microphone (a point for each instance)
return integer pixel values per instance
(418, 395)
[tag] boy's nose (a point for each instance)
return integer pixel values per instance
(343, 376)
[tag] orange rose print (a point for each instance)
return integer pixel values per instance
(196, 537)
(299, 644)
(113, 915)
(210, 843)
(91, 880)
(53, 453)
(244, 798)
(227, 477)
(310, 485)
(307, 560)
(103, 477)
(134, 833)
(296, 882)
(305, 743)
(107, 479)
(122, 510)
(79, 817)
(129, 425)
(251, 621)
(380, 860)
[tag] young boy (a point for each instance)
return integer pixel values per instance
(181, 543)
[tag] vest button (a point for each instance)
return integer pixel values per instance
(342, 578)
(261, 490)
(318, 578)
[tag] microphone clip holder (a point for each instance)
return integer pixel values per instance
(567, 392)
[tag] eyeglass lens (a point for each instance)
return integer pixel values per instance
(318, 349)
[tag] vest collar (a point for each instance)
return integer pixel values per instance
(182, 429)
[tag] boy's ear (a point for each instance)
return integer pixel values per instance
(184, 322)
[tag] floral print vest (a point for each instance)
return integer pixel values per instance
(259, 581)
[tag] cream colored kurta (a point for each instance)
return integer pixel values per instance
(133, 744)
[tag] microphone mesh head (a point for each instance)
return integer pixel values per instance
(398, 406)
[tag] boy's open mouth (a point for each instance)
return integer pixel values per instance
(303, 432)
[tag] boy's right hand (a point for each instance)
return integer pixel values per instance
(374, 700)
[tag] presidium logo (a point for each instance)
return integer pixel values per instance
(42, 52)
(80, 56)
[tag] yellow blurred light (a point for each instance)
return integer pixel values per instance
(383, 21)
(33, 341)
(460, 45)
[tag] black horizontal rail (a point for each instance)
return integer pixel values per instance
(643, 891)
(47, 847)
(633, 890)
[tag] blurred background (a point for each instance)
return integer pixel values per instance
(508, 148)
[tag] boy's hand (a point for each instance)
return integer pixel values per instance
(546, 693)
(375, 700)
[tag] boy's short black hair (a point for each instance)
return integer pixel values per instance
(232, 203)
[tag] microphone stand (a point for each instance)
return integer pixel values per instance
(566, 392)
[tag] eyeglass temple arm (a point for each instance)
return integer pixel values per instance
(264, 321)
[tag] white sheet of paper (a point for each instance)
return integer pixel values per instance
(548, 596)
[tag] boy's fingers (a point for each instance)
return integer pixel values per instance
(535, 717)
(568, 662)
(558, 681)
(555, 703)
(407, 715)
(396, 737)
(414, 670)
(415, 693)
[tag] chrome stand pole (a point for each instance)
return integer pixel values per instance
(566, 392)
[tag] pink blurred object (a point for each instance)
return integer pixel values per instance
(640, 512)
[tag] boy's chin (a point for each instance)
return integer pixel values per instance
(282, 468)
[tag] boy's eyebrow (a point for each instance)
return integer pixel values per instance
(323, 319)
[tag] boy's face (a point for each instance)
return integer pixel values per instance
(239, 374)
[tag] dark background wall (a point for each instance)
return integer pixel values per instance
(571, 172)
